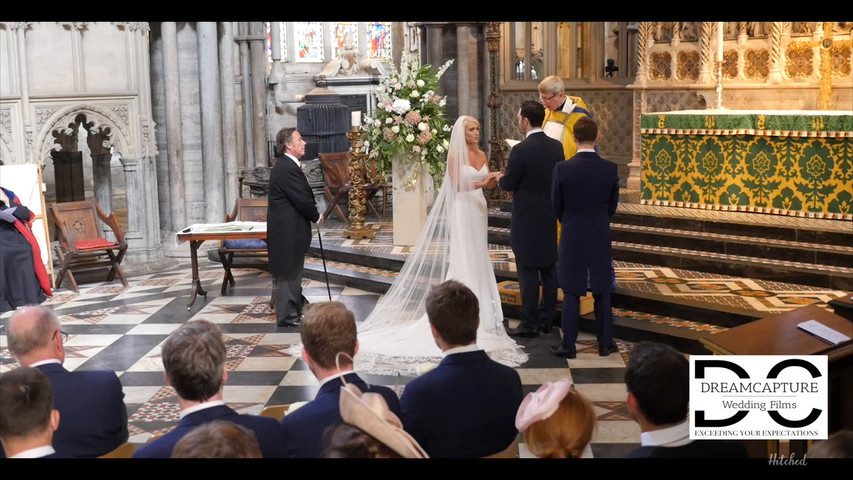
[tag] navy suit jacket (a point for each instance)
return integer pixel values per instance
(533, 232)
(463, 408)
(695, 449)
(267, 430)
(304, 427)
(92, 413)
(585, 194)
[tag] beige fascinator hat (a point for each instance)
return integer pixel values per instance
(542, 403)
(369, 412)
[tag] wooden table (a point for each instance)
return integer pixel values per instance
(778, 335)
(843, 306)
(196, 238)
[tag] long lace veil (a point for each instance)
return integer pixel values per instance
(395, 336)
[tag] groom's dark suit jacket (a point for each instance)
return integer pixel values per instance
(533, 233)
(463, 408)
(304, 427)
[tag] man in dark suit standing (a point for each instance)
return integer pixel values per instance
(90, 402)
(194, 359)
(290, 211)
(658, 381)
(465, 407)
(585, 194)
(533, 232)
(329, 343)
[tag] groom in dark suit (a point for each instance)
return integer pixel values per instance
(465, 407)
(290, 211)
(533, 232)
(585, 194)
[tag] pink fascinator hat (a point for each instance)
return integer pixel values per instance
(542, 403)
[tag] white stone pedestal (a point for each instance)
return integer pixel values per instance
(410, 206)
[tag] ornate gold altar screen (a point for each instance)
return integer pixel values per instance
(787, 163)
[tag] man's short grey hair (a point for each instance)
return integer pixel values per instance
(44, 325)
(552, 85)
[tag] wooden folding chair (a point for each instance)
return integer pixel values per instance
(125, 450)
(275, 411)
(245, 210)
(81, 243)
(336, 186)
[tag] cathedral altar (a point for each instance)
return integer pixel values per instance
(797, 163)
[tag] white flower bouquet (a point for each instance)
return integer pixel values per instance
(408, 123)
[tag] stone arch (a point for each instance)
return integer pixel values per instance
(106, 130)
(98, 115)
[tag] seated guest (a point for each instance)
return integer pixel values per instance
(329, 343)
(27, 416)
(218, 439)
(371, 430)
(23, 278)
(658, 382)
(91, 402)
(194, 360)
(466, 406)
(557, 421)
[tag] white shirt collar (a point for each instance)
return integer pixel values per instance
(37, 452)
(673, 436)
(532, 131)
(201, 406)
(336, 375)
(294, 159)
(590, 150)
(45, 362)
(463, 349)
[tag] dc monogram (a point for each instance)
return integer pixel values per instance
(762, 387)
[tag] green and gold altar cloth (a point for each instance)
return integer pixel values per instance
(797, 163)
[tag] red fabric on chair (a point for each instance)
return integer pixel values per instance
(93, 243)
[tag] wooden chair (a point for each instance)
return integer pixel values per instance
(81, 243)
(335, 168)
(124, 450)
(245, 210)
(509, 452)
(275, 411)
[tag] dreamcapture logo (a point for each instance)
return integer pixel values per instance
(758, 397)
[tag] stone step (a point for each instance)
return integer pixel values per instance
(823, 276)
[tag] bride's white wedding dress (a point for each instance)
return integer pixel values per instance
(396, 336)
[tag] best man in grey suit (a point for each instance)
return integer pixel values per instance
(533, 232)
(466, 406)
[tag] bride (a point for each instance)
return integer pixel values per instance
(453, 244)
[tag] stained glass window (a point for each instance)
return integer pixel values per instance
(282, 42)
(339, 33)
(309, 41)
(379, 40)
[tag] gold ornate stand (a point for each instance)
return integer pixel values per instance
(357, 197)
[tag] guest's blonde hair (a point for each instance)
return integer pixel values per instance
(565, 433)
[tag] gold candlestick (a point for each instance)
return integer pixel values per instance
(357, 196)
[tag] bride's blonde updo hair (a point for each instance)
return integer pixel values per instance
(565, 432)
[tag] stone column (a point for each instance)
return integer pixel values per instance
(18, 29)
(174, 132)
(211, 122)
(229, 112)
(463, 91)
(143, 225)
(246, 87)
(259, 94)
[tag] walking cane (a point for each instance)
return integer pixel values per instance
(323, 256)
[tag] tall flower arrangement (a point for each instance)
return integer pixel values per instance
(408, 123)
